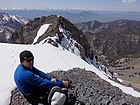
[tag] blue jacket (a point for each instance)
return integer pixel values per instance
(27, 80)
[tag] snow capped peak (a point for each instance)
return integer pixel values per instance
(9, 17)
(9, 23)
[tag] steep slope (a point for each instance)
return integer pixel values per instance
(89, 26)
(55, 30)
(8, 24)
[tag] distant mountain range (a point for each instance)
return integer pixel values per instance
(76, 16)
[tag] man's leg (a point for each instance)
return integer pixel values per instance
(40, 95)
(31, 99)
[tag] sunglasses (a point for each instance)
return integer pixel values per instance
(30, 59)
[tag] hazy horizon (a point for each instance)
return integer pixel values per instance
(114, 5)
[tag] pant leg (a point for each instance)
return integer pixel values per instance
(38, 96)
(31, 100)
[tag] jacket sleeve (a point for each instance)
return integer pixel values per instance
(44, 83)
(41, 74)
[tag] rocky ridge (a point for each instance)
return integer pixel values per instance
(60, 32)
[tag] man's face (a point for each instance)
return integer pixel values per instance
(28, 62)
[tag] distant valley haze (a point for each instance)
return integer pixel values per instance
(115, 5)
(74, 10)
(75, 15)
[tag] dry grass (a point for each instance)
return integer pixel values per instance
(129, 76)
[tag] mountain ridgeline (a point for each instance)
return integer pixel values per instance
(66, 34)
(116, 39)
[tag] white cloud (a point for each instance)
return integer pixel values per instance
(129, 1)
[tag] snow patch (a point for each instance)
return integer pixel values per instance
(41, 31)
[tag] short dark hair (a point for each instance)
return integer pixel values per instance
(25, 55)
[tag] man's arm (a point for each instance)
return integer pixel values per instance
(46, 80)
(41, 74)
(44, 83)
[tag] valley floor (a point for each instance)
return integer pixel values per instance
(129, 72)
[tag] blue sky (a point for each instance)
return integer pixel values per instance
(119, 5)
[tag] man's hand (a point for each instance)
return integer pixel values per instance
(54, 80)
(66, 84)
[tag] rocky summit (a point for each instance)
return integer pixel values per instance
(59, 31)
(89, 88)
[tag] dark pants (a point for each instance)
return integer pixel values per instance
(38, 96)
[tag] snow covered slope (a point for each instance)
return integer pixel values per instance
(47, 58)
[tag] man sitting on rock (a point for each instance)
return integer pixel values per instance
(33, 83)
